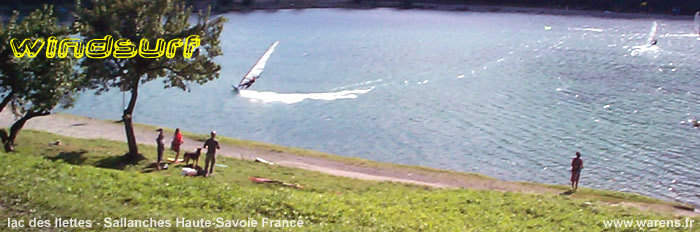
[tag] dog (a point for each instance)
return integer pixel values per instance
(194, 156)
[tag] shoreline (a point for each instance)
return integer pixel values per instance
(447, 7)
(560, 12)
(272, 6)
(88, 128)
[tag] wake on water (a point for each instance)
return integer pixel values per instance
(650, 46)
(644, 49)
(587, 29)
(358, 84)
(291, 98)
(668, 35)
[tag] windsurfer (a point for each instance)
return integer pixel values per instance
(257, 69)
(697, 22)
(247, 84)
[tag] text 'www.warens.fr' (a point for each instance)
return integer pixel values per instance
(104, 48)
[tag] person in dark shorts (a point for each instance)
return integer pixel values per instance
(161, 147)
(211, 145)
(576, 166)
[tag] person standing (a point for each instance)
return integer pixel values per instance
(161, 147)
(576, 166)
(212, 145)
(175, 144)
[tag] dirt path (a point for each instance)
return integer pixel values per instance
(82, 127)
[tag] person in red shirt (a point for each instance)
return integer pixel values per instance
(175, 145)
(576, 166)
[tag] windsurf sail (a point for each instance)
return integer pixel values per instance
(257, 69)
(652, 34)
(697, 22)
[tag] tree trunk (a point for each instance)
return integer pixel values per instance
(9, 142)
(6, 100)
(133, 154)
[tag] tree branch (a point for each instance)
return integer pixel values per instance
(7, 99)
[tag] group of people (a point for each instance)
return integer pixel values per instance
(211, 145)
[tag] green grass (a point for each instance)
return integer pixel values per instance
(105, 154)
(83, 179)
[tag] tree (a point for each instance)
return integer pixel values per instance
(33, 87)
(134, 20)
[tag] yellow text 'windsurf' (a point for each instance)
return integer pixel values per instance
(104, 48)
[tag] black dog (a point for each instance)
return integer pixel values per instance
(193, 156)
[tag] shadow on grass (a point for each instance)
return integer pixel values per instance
(568, 192)
(72, 157)
(111, 162)
(149, 168)
(118, 162)
(152, 167)
(685, 207)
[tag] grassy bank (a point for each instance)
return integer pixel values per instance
(84, 179)
(583, 193)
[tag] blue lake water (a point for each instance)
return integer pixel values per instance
(512, 96)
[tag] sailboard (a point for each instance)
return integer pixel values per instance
(652, 33)
(175, 161)
(697, 22)
(256, 71)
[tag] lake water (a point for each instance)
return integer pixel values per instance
(512, 96)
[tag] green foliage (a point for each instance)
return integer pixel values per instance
(38, 84)
(149, 19)
(62, 181)
(34, 86)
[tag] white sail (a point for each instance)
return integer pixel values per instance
(652, 33)
(257, 69)
(697, 22)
